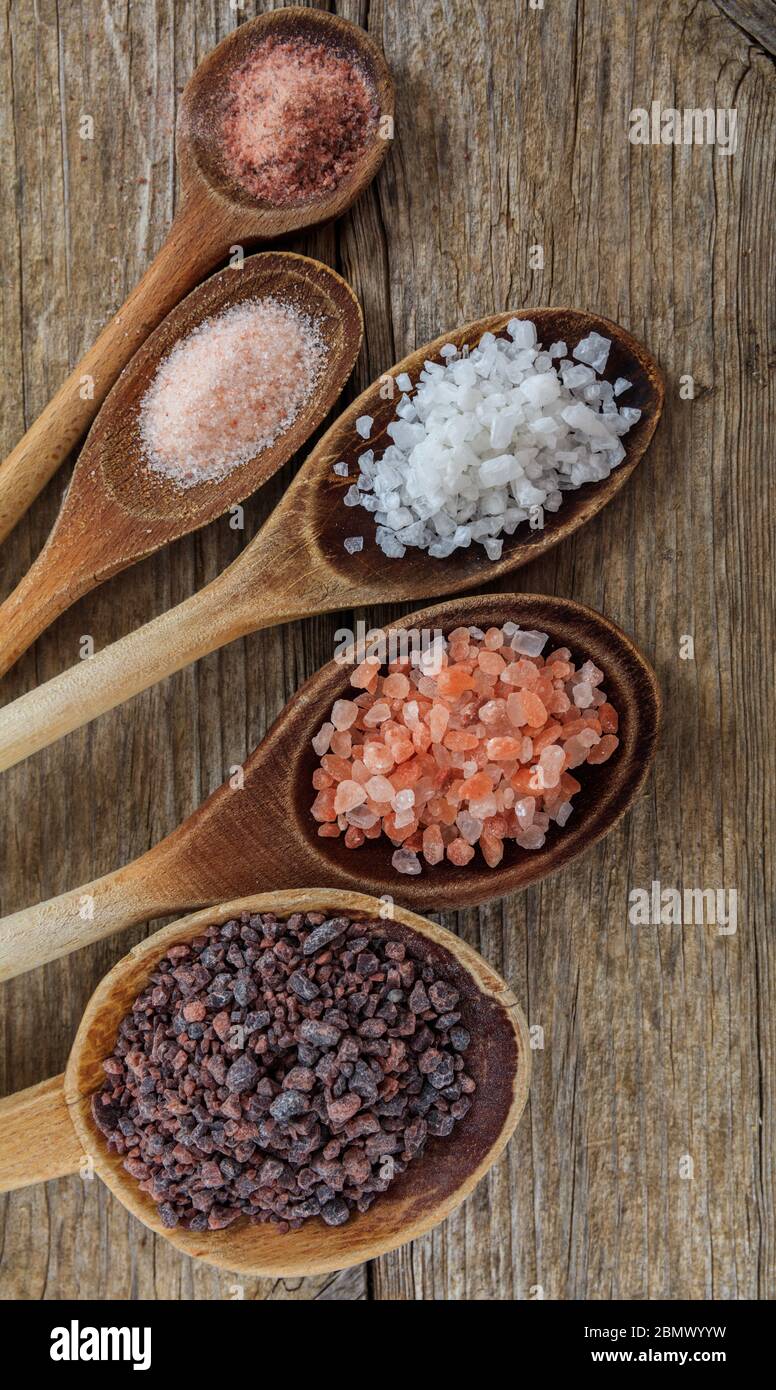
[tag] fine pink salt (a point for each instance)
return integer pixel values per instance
(229, 389)
(445, 763)
(297, 118)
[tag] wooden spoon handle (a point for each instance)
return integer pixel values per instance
(183, 634)
(37, 1138)
(48, 589)
(224, 610)
(146, 888)
(192, 249)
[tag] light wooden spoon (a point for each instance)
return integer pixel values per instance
(47, 1131)
(116, 510)
(215, 216)
(297, 564)
(261, 833)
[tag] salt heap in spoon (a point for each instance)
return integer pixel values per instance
(490, 439)
(470, 744)
(229, 389)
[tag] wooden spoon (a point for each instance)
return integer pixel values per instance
(47, 1131)
(297, 564)
(215, 216)
(116, 510)
(262, 834)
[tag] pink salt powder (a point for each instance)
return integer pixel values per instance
(297, 118)
(475, 755)
(229, 389)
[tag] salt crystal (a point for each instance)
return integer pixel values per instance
(622, 384)
(344, 713)
(353, 544)
(364, 425)
(406, 862)
(532, 838)
(341, 469)
(529, 643)
(523, 332)
(323, 739)
(594, 350)
(582, 695)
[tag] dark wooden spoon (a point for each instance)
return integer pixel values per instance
(261, 834)
(116, 510)
(297, 564)
(215, 215)
(46, 1131)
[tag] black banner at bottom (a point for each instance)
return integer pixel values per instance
(228, 1338)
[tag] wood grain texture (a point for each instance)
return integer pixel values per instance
(659, 1042)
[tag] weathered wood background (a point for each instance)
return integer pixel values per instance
(659, 1043)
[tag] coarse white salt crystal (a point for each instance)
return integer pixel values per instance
(364, 425)
(594, 350)
(229, 389)
(352, 496)
(490, 439)
(353, 544)
(621, 384)
(404, 381)
(341, 469)
(522, 332)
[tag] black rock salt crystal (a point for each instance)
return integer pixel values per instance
(303, 986)
(324, 934)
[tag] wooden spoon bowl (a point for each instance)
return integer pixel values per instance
(215, 214)
(434, 1185)
(206, 97)
(259, 831)
(607, 790)
(297, 565)
(417, 575)
(117, 510)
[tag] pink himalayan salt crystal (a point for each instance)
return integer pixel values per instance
(323, 739)
(433, 845)
(348, 795)
(297, 117)
(344, 713)
(229, 389)
(341, 744)
(459, 852)
(498, 770)
(406, 862)
(380, 789)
